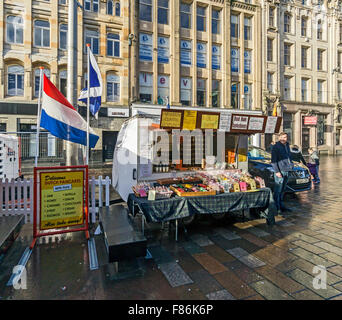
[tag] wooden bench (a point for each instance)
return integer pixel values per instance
(9, 230)
(122, 241)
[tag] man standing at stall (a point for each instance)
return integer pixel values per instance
(282, 164)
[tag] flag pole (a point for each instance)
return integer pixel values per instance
(88, 103)
(38, 116)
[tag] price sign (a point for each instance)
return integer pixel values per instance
(189, 120)
(171, 119)
(209, 120)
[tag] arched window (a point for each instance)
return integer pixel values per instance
(63, 82)
(303, 26)
(15, 83)
(15, 27)
(37, 78)
(113, 88)
(319, 30)
(117, 9)
(110, 7)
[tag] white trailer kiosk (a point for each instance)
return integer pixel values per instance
(9, 157)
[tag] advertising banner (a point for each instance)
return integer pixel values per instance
(216, 57)
(163, 49)
(186, 53)
(145, 47)
(201, 55)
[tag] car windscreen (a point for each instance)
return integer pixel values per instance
(258, 153)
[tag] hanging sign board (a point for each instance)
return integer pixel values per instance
(256, 124)
(310, 121)
(171, 119)
(208, 120)
(225, 121)
(271, 124)
(189, 120)
(239, 123)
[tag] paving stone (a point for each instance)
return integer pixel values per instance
(309, 267)
(192, 247)
(222, 242)
(175, 274)
(201, 240)
(189, 292)
(269, 291)
(326, 226)
(238, 252)
(307, 280)
(258, 232)
(220, 295)
(160, 255)
(244, 273)
(219, 254)
(336, 270)
(272, 255)
(285, 223)
(279, 279)
(305, 237)
(306, 295)
(251, 261)
(255, 297)
(330, 234)
(188, 263)
(332, 257)
(329, 240)
(227, 234)
(309, 247)
(338, 286)
(252, 238)
(287, 265)
(234, 285)
(329, 247)
(311, 257)
(337, 298)
(209, 263)
(246, 245)
(284, 244)
(205, 282)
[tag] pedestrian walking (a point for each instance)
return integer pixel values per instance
(313, 165)
(282, 164)
(296, 154)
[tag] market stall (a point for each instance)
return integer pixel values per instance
(187, 161)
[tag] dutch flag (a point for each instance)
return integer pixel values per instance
(95, 87)
(61, 119)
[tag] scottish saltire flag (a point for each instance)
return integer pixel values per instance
(61, 119)
(95, 86)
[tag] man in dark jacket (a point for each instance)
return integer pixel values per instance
(282, 164)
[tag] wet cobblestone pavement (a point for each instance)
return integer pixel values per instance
(224, 260)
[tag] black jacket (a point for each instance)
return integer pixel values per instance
(281, 157)
(296, 155)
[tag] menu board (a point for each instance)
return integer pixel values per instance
(171, 118)
(61, 200)
(209, 120)
(239, 122)
(256, 123)
(225, 121)
(189, 120)
(271, 124)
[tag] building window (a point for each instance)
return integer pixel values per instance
(247, 61)
(186, 92)
(186, 56)
(145, 47)
(270, 82)
(321, 129)
(320, 53)
(235, 59)
(215, 22)
(118, 9)
(320, 97)
(113, 88)
(201, 18)
(304, 57)
(304, 2)
(303, 26)
(163, 11)
(113, 45)
(64, 2)
(235, 95)
(271, 16)
(319, 30)
(339, 60)
(41, 33)
(287, 54)
(234, 26)
(63, 78)
(287, 88)
(15, 84)
(304, 90)
(63, 36)
(145, 10)
(288, 126)
(110, 7)
(201, 55)
(216, 57)
(91, 5)
(37, 79)
(92, 37)
(163, 50)
(163, 89)
(248, 28)
(145, 87)
(185, 15)
(340, 33)
(201, 92)
(339, 90)
(269, 49)
(216, 94)
(15, 30)
(287, 23)
(247, 91)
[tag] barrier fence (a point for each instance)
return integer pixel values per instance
(16, 197)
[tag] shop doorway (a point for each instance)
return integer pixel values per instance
(108, 144)
(305, 140)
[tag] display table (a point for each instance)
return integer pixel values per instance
(181, 207)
